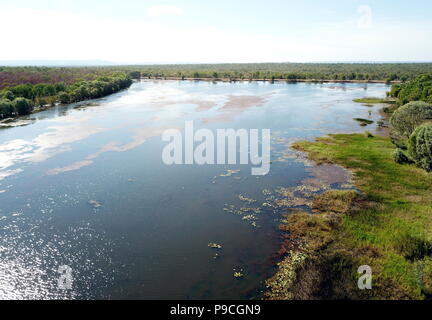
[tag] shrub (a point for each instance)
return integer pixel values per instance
(400, 157)
(418, 89)
(405, 119)
(7, 95)
(414, 247)
(420, 146)
(7, 109)
(64, 97)
(23, 106)
(368, 134)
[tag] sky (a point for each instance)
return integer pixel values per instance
(207, 31)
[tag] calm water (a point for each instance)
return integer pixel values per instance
(85, 186)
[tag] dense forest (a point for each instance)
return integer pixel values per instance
(290, 71)
(22, 99)
(10, 76)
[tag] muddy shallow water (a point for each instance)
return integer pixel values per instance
(84, 186)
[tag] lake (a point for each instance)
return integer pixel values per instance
(84, 186)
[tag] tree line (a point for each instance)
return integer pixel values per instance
(12, 76)
(23, 98)
(290, 71)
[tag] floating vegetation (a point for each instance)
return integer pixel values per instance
(214, 245)
(281, 283)
(310, 188)
(246, 199)
(248, 214)
(238, 273)
(294, 202)
(371, 101)
(277, 201)
(363, 122)
(95, 204)
(266, 192)
(253, 210)
(231, 209)
(250, 217)
(229, 173)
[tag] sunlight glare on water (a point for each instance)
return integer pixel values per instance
(84, 186)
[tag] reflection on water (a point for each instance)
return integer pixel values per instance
(84, 186)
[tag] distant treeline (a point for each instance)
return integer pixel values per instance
(11, 76)
(289, 71)
(23, 98)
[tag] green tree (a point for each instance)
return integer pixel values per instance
(23, 106)
(405, 119)
(420, 146)
(64, 97)
(7, 109)
(7, 95)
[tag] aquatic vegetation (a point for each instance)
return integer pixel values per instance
(95, 204)
(363, 122)
(266, 192)
(390, 236)
(248, 214)
(253, 210)
(238, 273)
(229, 173)
(281, 283)
(250, 217)
(246, 199)
(214, 245)
(294, 202)
(371, 101)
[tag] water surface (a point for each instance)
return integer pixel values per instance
(84, 185)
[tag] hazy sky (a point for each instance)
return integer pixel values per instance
(137, 31)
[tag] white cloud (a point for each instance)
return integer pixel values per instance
(165, 10)
(365, 20)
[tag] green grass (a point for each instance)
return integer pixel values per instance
(392, 230)
(370, 101)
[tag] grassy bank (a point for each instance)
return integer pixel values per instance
(371, 100)
(386, 225)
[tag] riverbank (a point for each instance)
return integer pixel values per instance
(385, 225)
(268, 80)
(24, 99)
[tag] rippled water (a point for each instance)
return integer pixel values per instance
(85, 186)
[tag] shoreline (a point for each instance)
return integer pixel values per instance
(372, 226)
(267, 80)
